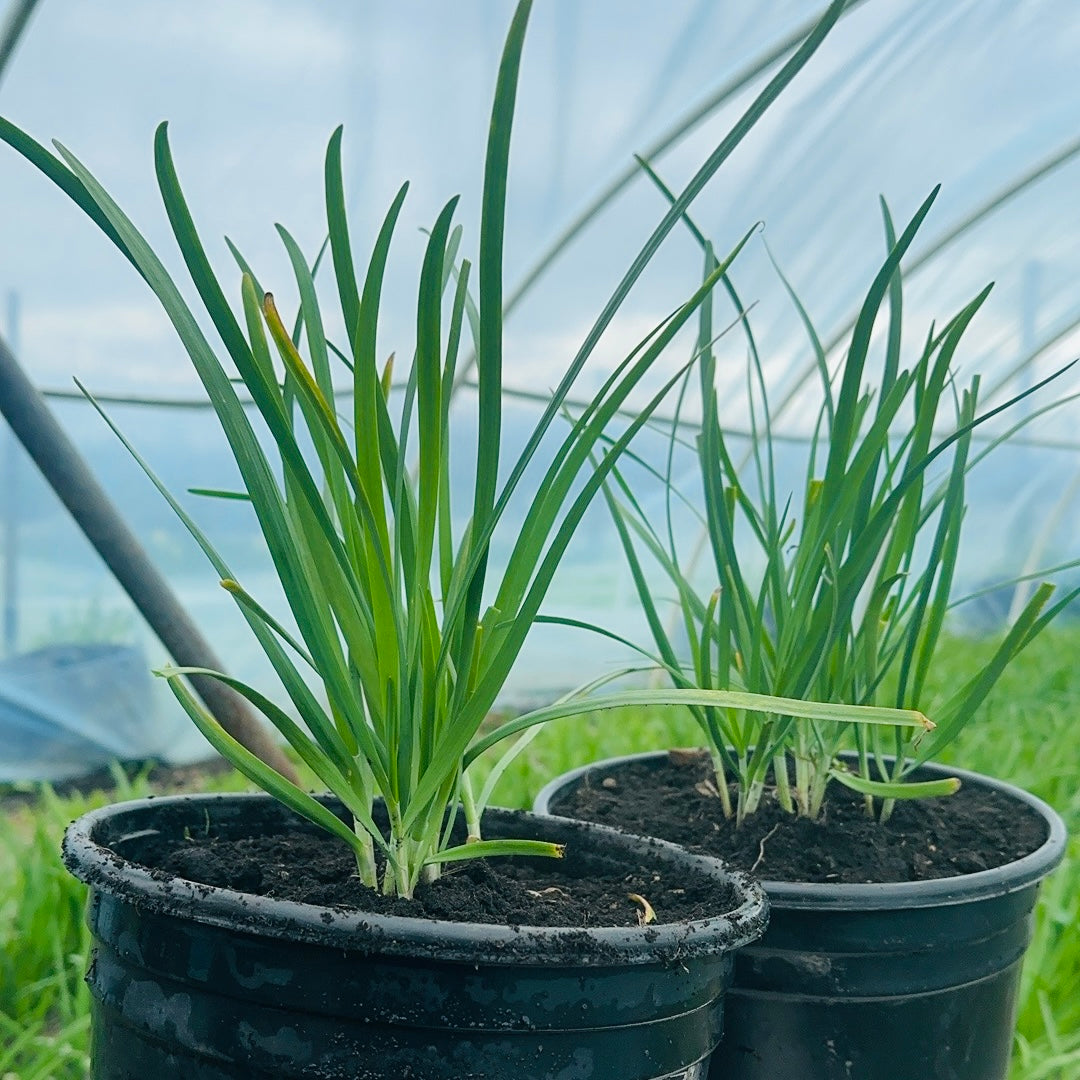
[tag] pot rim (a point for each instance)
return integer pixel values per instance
(936, 892)
(89, 858)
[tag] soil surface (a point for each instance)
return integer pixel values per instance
(316, 868)
(975, 829)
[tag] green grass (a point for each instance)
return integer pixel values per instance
(44, 942)
(1026, 733)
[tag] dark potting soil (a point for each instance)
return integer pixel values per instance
(316, 868)
(972, 830)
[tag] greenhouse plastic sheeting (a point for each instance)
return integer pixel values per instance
(68, 709)
(980, 96)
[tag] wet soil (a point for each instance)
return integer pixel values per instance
(315, 868)
(975, 829)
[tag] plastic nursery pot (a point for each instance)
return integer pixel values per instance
(204, 983)
(879, 981)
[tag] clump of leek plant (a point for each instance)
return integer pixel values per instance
(838, 592)
(396, 609)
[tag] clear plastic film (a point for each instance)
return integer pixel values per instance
(979, 96)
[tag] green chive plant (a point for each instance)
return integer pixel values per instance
(838, 592)
(395, 609)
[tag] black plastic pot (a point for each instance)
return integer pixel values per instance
(897, 981)
(204, 983)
